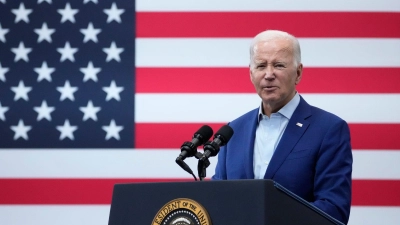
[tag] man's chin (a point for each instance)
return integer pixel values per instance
(270, 99)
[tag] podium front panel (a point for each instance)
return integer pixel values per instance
(227, 203)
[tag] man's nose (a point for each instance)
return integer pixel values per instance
(269, 73)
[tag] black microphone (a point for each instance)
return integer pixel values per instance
(211, 148)
(189, 149)
(223, 135)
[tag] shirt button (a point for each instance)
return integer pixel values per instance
(266, 163)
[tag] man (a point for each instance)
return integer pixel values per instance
(303, 148)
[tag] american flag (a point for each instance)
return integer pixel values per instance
(97, 92)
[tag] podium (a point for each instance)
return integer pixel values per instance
(229, 202)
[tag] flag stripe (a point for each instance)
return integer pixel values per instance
(369, 215)
(233, 52)
(226, 80)
(376, 193)
(259, 5)
(375, 136)
(222, 108)
(98, 214)
(99, 191)
(246, 24)
(363, 136)
(64, 191)
(368, 164)
(376, 164)
(54, 214)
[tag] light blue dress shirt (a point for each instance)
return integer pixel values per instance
(268, 134)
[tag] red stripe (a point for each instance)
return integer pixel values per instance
(375, 136)
(63, 191)
(247, 24)
(226, 80)
(99, 191)
(363, 136)
(376, 193)
(181, 132)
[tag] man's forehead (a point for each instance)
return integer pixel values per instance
(273, 51)
(277, 45)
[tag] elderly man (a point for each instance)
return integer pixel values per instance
(303, 148)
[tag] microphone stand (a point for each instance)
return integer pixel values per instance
(202, 165)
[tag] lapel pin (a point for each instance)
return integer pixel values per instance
(299, 124)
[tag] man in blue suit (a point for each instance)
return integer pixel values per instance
(303, 148)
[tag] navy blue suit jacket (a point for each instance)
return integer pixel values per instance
(313, 160)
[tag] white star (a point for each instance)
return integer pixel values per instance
(90, 72)
(3, 32)
(90, 33)
(114, 13)
(67, 91)
(21, 13)
(3, 71)
(44, 111)
(113, 52)
(44, 72)
(67, 130)
(21, 52)
(112, 130)
(40, 1)
(3, 109)
(86, 1)
(21, 91)
(67, 13)
(67, 52)
(21, 130)
(113, 91)
(3, 1)
(90, 111)
(44, 33)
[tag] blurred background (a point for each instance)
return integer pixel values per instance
(98, 92)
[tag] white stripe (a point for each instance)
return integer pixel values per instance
(263, 5)
(377, 165)
(114, 163)
(234, 52)
(374, 215)
(54, 214)
(105, 163)
(187, 108)
(99, 214)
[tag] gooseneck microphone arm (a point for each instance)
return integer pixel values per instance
(211, 148)
(185, 167)
(189, 149)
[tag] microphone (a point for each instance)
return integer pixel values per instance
(189, 149)
(211, 148)
(223, 135)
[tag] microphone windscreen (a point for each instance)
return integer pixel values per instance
(204, 133)
(224, 133)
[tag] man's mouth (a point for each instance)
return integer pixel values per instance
(270, 88)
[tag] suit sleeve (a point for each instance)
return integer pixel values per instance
(332, 186)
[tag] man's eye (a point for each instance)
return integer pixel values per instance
(280, 65)
(260, 66)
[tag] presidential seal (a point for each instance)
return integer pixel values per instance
(182, 211)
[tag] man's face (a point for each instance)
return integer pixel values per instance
(273, 72)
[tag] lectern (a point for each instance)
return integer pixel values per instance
(241, 202)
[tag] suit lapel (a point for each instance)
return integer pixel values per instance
(290, 137)
(250, 133)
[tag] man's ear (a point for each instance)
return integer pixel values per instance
(299, 73)
(250, 73)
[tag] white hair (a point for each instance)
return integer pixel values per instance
(276, 34)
